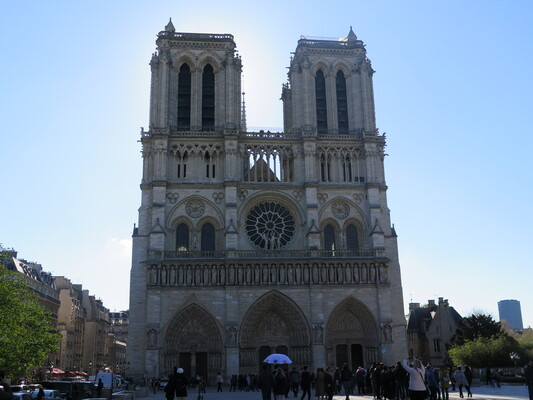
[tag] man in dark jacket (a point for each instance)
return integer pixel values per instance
(265, 382)
(305, 383)
(346, 380)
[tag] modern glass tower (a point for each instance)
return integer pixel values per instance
(510, 311)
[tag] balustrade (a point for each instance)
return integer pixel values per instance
(265, 273)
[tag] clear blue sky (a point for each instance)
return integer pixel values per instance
(453, 90)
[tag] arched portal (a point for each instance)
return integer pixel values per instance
(274, 323)
(351, 335)
(194, 343)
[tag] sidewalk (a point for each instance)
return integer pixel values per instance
(510, 392)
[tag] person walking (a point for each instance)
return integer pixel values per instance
(99, 388)
(181, 384)
(417, 386)
(265, 382)
(460, 381)
(432, 379)
(220, 381)
(469, 375)
(280, 384)
(305, 383)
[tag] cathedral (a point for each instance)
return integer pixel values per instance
(252, 243)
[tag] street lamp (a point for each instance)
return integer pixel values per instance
(514, 357)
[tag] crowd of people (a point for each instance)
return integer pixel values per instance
(409, 379)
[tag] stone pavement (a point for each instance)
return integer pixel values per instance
(506, 392)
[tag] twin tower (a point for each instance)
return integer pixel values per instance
(252, 243)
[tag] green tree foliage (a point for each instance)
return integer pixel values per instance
(476, 326)
(26, 335)
(483, 352)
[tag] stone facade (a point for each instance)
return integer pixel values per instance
(430, 330)
(257, 242)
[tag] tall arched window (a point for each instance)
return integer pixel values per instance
(184, 98)
(182, 237)
(342, 102)
(208, 98)
(208, 237)
(321, 105)
(329, 238)
(352, 239)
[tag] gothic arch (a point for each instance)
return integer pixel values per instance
(342, 65)
(209, 58)
(185, 57)
(351, 324)
(193, 330)
(275, 196)
(272, 322)
(259, 327)
(321, 64)
(355, 212)
(178, 211)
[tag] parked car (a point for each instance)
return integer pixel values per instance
(20, 388)
(85, 388)
(21, 396)
(48, 394)
(163, 382)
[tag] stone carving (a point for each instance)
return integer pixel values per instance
(297, 195)
(318, 334)
(173, 197)
(218, 197)
(322, 197)
(243, 194)
(358, 197)
(152, 339)
(387, 333)
(340, 209)
(195, 208)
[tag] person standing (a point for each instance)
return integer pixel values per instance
(528, 375)
(280, 384)
(417, 386)
(320, 384)
(266, 383)
(170, 388)
(99, 388)
(346, 380)
(220, 381)
(181, 384)
(40, 394)
(305, 383)
(295, 379)
(445, 382)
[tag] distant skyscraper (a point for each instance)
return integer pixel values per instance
(510, 311)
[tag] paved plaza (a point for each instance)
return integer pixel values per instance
(506, 392)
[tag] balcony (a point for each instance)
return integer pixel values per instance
(263, 255)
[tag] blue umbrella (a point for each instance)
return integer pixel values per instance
(277, 359)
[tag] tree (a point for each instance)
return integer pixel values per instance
(485, 352)
(26, 337)
(476, 326)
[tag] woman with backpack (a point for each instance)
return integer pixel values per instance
(445, 382)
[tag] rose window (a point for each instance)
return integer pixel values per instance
(269, 226)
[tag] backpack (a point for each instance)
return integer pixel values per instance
(446, 378)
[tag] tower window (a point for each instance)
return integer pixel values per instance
(342, 102)
(208, 98)
(208, 237)
(182, 237)
(184, 98)
(321, 110)
(181, 170)
(329, 238)
(352, 241)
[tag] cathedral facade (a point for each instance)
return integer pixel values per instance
(252, 243)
